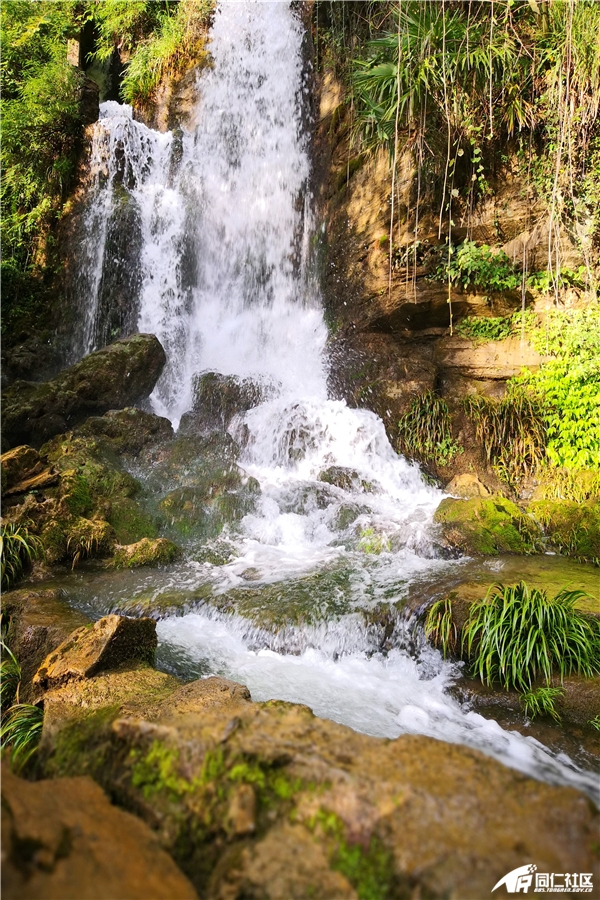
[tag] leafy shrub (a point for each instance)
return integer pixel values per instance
(512, 431)
(10, 677)
(480, 329)
(425, 430)
(569, 385)
(17, 550)
(473, 266)
(517, 634)
(41, 130)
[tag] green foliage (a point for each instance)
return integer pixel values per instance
(512, 431)
(480, 329)
(21, 731)
(595, 723)
(41, 129)
(568, 384)
(10, 677)
(542, 702)
(578, 485)
(478, 266)
(157, 35)
(517, 634)
(440, 627)
(425, 430)
(17, 550)
(443, 61)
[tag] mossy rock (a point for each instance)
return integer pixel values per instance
(130, 522)
(159, 552)
(119, 375)
(344, 478)
(127, 430)
(572, 529)
(487, 526)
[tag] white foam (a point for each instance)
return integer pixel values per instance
(339, 677)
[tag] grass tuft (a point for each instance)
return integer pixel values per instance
(542, 702)
(440, 627)
(18, 548)
(21, 731)
(517, 634)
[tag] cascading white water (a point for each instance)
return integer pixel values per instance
(226, 285)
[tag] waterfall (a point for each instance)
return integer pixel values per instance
(217, 263)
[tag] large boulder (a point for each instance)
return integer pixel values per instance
(63, 840)
(263, 799)
(119, 375)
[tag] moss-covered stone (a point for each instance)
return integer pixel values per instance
(159, 552)
(130, 522)
(127, 430)
(487, 526)
(571, 528)
(115, 376)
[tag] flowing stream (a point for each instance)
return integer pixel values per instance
(217, 262)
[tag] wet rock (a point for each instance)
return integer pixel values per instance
(119, 375)
(127, 430)
(572, 529)
(109, 643)
(64, 839)
(37, 621)
(218, 398)
(373, 371)
(18, 465)
(346, 479)
(241, 815)
(35, 358)
(159, 552)
(86, 508)
(487, 526)
(467, 486)
(332, 805)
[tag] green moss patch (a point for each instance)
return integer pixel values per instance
(572, 529)
(487, 526)
(159, 552)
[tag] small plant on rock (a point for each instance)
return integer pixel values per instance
(440, 627)
(542, 702)
(512, 432)
(425, 430)
(21, 731)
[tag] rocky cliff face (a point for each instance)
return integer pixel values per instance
(391, 322)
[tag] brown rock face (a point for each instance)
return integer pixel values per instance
(466, 486)
(63, 840)
(119, 375)
(112, 641)
(493, 360)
